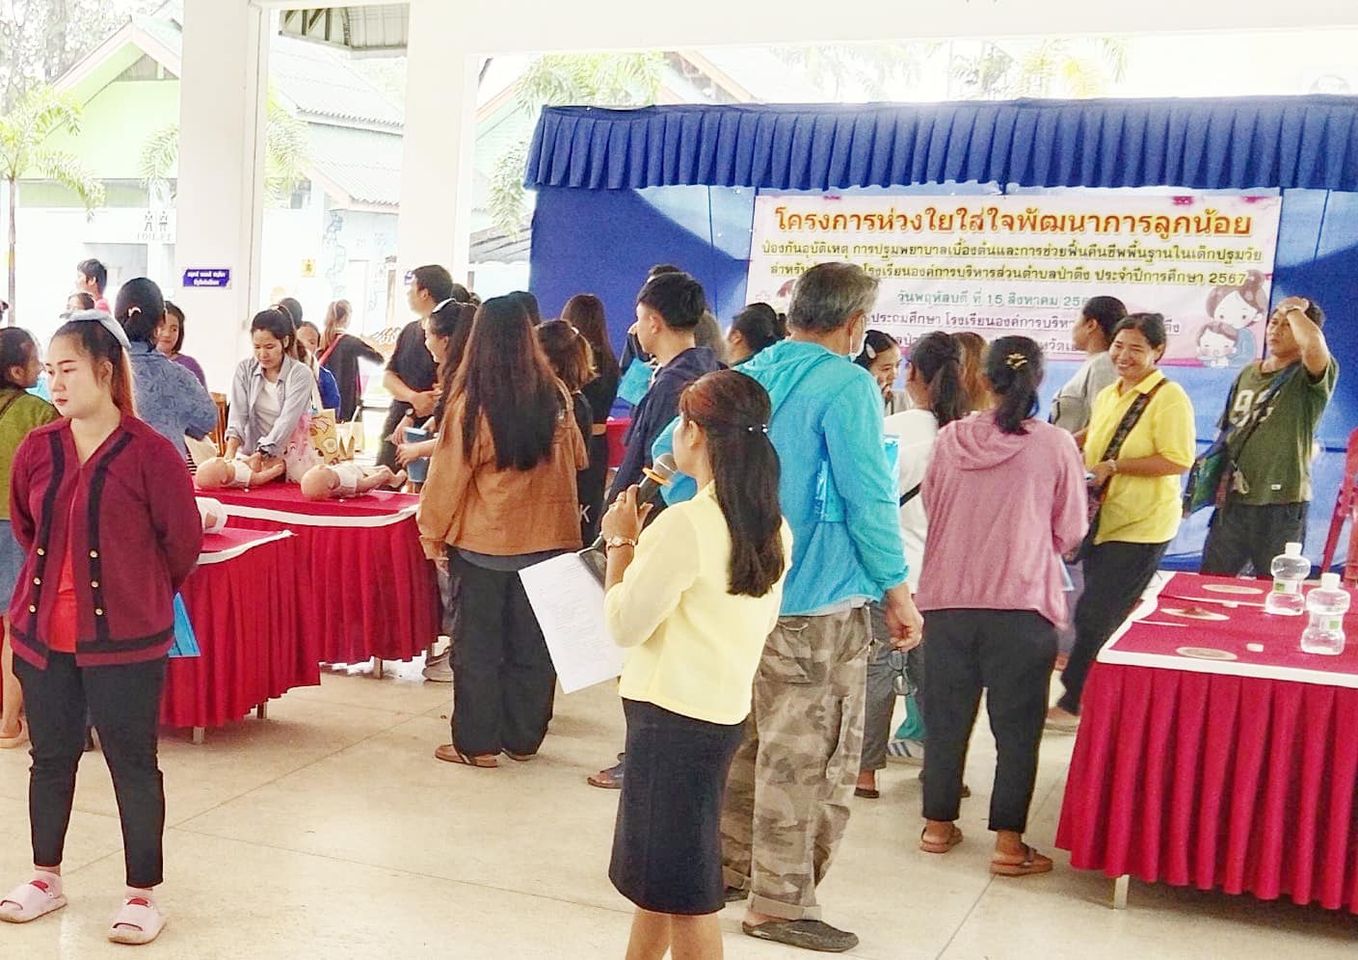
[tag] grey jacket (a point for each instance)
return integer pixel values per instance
(297, 386)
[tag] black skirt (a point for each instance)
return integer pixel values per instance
(667, 844)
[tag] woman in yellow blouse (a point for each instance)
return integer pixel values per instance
(694, 601)
(1141, 507)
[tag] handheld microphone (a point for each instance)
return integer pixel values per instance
(654, 477)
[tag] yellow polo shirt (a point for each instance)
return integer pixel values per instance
(694, 648)
(1142, 509)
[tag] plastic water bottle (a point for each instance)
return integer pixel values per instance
(1327, 605)
(1290, 570)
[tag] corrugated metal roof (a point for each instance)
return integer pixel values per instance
(317, 80)
(365, 164)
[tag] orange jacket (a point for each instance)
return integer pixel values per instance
(468, 502)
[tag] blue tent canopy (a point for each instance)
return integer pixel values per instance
(619, 190)
(1249, 142)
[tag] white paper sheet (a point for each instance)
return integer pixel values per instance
(569, 604)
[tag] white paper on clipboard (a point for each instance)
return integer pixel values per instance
(569, 604)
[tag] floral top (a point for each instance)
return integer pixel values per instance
(170, 398)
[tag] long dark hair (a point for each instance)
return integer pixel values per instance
(172, 309)
(875, 343)
(278, 321)
(1014, 369)
(506, 378)
(733, 411)
(938, 359)
(140, 308)
(760, 326)
(568, 352)
(99, 345)
(17, 347)
(585, 312)
(454, 321)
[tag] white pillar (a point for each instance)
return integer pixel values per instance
(223, 93)
(440, 138)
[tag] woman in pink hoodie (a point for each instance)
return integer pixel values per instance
(992, 598)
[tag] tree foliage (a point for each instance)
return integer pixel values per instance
(866, 70)
(285, 153)
(1052, 67)
(593, 79)
(23, 134)
(42, 39)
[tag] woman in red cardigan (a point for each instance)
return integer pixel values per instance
(104, 509)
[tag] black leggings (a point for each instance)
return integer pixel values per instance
(124, 703)
(1116, 574)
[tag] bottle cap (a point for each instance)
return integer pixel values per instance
(1329, 581)
(1292, 550)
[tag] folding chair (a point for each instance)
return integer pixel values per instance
(1345, 508)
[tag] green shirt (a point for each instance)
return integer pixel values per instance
(24, 414)
(1274, 465)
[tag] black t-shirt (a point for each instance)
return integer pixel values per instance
(411, 362)
(601, 392)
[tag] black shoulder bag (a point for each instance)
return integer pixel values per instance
(1125, 427)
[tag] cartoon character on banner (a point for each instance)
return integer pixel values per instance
(1218, 343)
(1241, 307)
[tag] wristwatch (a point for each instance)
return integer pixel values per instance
(613, 542)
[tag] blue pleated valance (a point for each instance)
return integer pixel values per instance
(1283, 142)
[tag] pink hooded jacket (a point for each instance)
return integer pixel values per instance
(1002, 510)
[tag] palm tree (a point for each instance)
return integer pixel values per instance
(1055, 66)
(591, 79)
(23, 133)
(285, 153)
(869, 70)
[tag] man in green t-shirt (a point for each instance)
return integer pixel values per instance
(1271, 490)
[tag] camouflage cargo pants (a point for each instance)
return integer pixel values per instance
(787, 796)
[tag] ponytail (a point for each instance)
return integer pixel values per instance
(938, 359)
(733, 411)
(336, 320)
(1014, 369)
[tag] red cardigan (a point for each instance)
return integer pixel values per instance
(135, 531)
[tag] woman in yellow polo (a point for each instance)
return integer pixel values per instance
(1141, 505)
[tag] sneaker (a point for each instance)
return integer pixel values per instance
(807, 934)
(906, 751)
(437, 668)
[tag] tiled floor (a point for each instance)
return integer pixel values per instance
(329, 830)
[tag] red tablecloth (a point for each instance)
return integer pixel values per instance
(242, 601)
(617, 443)
(1218, 774)
(365, 587)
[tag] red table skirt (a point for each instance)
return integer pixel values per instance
(617, 439)
(1236, 783)
(244, 614)
(364, 591)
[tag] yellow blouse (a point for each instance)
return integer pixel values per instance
(694, 646)
(1142, 509)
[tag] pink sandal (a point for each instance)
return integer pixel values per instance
(139, 921)
(29, 901)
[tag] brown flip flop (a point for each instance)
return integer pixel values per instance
(1029, 864)
(936, 846)
(450, 754)
(867, 793)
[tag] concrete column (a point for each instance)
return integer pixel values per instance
(223, 94)
(440, 138)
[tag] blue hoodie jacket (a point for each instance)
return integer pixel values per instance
(838, 492)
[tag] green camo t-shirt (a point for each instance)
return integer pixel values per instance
(1274, 466)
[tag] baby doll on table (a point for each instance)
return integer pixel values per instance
(246, 472)
(347, 479)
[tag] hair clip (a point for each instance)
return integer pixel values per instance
(872, 354)
(1016, 361)
(757, 428)
(133, 310)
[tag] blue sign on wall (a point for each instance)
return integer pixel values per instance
(219, 277)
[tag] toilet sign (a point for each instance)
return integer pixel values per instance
(211, 277)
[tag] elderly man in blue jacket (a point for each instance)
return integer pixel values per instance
(790, 783)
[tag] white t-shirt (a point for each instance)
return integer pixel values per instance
(268, 405)
(917, 430)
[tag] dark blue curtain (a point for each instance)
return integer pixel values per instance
(1287, 142)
